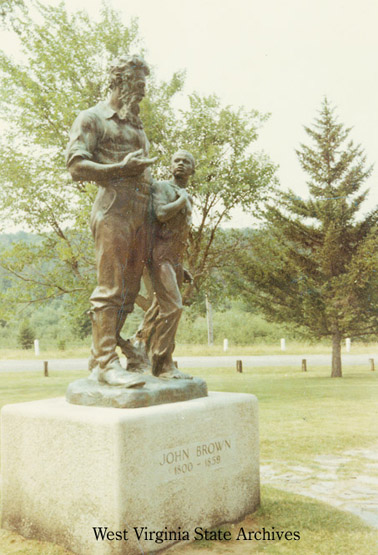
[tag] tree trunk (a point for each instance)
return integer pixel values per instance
(336, 356)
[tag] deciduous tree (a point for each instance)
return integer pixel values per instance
(62, 71)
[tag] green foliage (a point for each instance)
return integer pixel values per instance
(50, 321)
(62, 345)
(314, 263)
(236, 325)
(55, 327)
(8, 7)
(228, 174)
(64, 70)
(82, 326)
(26, 335)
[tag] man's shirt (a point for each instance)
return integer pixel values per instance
(98, 134)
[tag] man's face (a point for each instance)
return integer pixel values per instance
(134, 90)
(181, 165)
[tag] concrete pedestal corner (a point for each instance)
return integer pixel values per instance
(112, 481)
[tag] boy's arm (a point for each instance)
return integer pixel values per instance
(164, 210)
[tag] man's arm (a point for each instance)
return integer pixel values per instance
(134, 163)
(165, 211)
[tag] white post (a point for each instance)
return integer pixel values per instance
(225, 345)
(36, 347)
(347, 344)
(283, 345)
(209, 314)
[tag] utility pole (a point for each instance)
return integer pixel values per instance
(209, 316)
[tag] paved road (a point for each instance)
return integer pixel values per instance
(199, 362)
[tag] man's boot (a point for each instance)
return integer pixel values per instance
(104, 337)
(164, 367)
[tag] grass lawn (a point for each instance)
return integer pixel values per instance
(302, 415)
(323, 531)
(307, 414)
(292, 348)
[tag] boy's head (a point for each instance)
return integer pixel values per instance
(182, 164)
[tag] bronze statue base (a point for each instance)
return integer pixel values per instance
(156, 391)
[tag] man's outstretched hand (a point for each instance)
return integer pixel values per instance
(135, 163)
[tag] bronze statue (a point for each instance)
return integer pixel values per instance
(109, 146)
(171, 218)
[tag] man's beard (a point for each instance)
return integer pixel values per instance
(130, 103)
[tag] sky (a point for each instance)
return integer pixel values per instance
(279, 57)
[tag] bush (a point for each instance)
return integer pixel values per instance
(237, 325)
(26, 335)
(62, 344)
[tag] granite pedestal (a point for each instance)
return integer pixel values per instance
(113, 481)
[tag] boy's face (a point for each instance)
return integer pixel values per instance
(182, 165)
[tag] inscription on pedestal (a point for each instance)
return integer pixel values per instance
(185, 460)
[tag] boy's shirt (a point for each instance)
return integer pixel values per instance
(170, 237)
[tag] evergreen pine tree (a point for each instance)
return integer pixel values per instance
(315, 263)
(26, 335)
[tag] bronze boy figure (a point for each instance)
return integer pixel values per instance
(171, 218)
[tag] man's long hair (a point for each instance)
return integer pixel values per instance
(125, 67)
